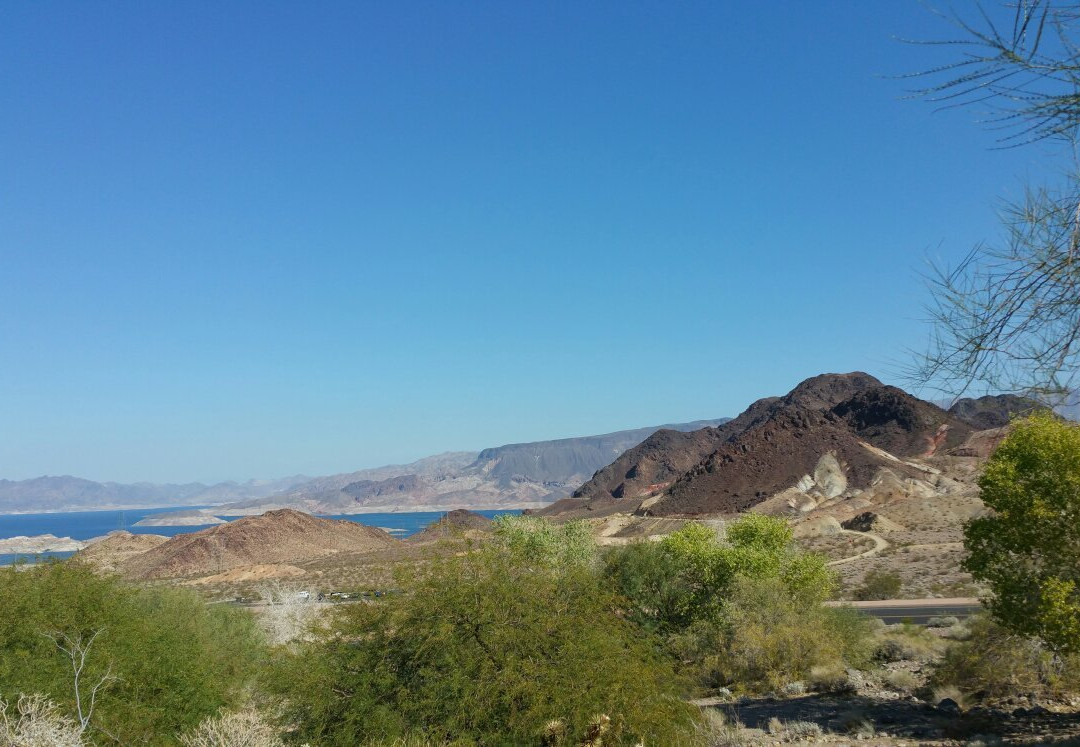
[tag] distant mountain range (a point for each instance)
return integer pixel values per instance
(512, 476)
(68, 493)
(533, 473)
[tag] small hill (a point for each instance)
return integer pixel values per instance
(993, 411)
(453, 524)
(111, 552)
(282, 536)
(830, 433)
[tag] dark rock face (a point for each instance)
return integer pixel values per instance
(893, 420)
(771, 445)
(864, 522)
(993, 411)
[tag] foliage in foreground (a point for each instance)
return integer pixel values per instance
(1028, 549)
(488, 647)
(1008, 316)
(36, 722)
(162, 658)
(234, 729)
(993, 663)
(745, 613)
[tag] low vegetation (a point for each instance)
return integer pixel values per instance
(531, 636)
(880, 584)
(745, 612)
(509, 643)
(994, 663)
(125, 664)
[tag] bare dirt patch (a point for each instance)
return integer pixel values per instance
(260, 572)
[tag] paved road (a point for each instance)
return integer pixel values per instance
(918, 610)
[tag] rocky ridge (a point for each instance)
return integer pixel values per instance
(830, 436)
(275, 537)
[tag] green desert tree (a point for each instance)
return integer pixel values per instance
(1028, 549)
(505, 644)
(745, 611)
(687, 576)
(880, 584)
(126, 665)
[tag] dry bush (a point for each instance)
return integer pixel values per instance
(902, 681)
(993, 663)
(830, 678)
(714, 730)
(907, 643)
(793, 730)
(767, 640)
(288, 616)
(37, 723)
(880, 584)
(233, 729)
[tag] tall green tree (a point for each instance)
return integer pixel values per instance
(1028, 549)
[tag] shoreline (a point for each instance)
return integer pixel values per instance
(85, 510)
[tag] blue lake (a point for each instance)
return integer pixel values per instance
(84, 525)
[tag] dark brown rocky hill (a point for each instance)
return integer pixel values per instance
(775, 444)
(993, 411)
(282, 536)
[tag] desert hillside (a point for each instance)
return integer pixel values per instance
(274, 537)
(778, 443)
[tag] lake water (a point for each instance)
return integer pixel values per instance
(84, 525)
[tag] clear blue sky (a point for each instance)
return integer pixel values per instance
(255, 239)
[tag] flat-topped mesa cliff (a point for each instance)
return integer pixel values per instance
(281, 536)
(776, 444)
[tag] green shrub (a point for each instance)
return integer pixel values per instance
(995, 663)
(166, 659)
(686, 577)
(766, 638)
(745, 613)
(880, 584)
(488, 647)
(536, 540)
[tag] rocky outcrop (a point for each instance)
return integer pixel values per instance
(828, 436)
(38, 543)
(993, 411)
(110, 552)
(868, 521)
